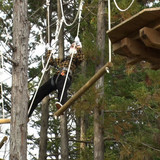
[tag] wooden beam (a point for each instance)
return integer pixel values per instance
(150, 37)
(3, 141)
(83, 89)
(135, 48)
(3, 121)
(129, 48)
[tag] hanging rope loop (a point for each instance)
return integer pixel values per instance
(80, 8)
(123, 10)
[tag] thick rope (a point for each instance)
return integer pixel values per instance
(63, 17)
(109, 27)
(123, 10)
(79, 18)
(69, 66)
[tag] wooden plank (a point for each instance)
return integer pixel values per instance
(83, 89)
(146, 17)
(3, 121)
(129, 48)
(150, 37)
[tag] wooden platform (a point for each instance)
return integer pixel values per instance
(138, 37)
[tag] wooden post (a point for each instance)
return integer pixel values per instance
(83, 89)
(136, 49)
(150, 37)
(2, 121)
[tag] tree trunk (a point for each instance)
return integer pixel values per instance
(18, 146)
(98, 113)
(45, 101)
(63, 119)
(61, 34)
(83, 129)
(83, 121)
(44, 125)
(64, 137)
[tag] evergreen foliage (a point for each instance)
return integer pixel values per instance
(132, 95)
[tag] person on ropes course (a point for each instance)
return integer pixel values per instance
(56, 82)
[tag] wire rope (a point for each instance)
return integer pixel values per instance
(123, 10)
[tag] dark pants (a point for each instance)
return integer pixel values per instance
(54, 83)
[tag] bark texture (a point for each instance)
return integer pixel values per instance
(98, 113)
(44, 126)
(18, 146)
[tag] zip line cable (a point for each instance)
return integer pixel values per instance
(123, 10)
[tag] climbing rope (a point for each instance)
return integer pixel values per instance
(63, 17)
(69, 66)
(58, 29)
(72, 53)
(79, 18)
(123, 10)
(109, 27)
